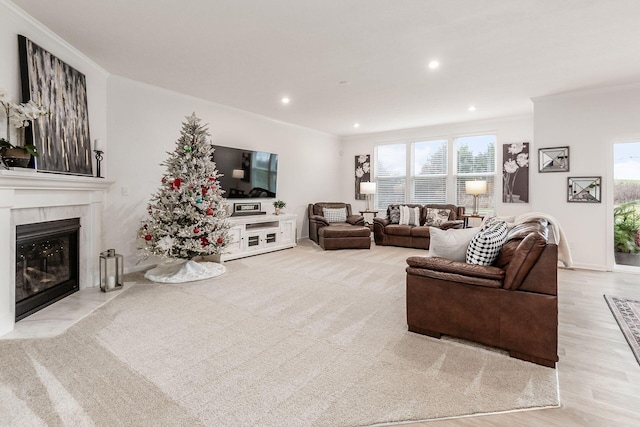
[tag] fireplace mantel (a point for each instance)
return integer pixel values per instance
(27, 196)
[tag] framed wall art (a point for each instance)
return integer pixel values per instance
(554, 159)
(62, 138)
(515, 173)
(362, 173)
(584, 189)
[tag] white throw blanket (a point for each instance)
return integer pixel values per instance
(564, 254)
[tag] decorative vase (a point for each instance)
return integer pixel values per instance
(277, 211)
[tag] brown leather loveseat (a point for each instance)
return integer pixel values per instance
(512, 304)
(387, 233)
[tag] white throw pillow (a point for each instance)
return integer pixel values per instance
(335, 214)
(409, 216)
(452, 243)
(492, 218)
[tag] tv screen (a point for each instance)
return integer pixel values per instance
(246, 173)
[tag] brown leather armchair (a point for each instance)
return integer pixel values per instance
(512, 304)
(317, 220)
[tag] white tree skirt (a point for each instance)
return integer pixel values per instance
(181, 271)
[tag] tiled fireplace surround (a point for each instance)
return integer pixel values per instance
(29, 197)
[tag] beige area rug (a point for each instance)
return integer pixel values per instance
(299, 337)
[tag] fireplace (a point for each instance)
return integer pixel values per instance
(47, 264)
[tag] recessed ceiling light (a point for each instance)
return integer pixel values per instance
(285, 100)
(472, 108)
(356, 125)
(434, 64)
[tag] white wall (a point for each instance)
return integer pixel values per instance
(589, 122)
(508, 130)
(144, 123)
(14, 21)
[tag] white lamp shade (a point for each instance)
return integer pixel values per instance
(476, 187)
(367, 188)
(237, 173)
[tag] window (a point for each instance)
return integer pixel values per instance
(475, 160)
(422, 171)
(390, 174)
(429, 174)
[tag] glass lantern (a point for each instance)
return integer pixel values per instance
(111, 270)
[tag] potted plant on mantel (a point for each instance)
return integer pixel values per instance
(20, 116)
(626, 233)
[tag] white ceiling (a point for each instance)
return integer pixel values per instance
(495, 54)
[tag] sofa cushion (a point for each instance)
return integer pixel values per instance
(409, 216)
(398, 230)
(486, 244)
(335, 214)
(435, 217)
(524, 258)
(451, 244)
(423, 232)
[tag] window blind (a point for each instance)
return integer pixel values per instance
(429, 172)
(475, 160)
(390, 174)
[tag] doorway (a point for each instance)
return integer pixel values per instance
(626, 200)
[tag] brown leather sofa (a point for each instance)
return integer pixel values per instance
(512, 304)
(387, 234)
(317, 221)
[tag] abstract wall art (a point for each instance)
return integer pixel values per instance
(62, 138)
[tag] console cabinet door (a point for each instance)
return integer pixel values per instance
(287, 231)
(257, 240)
(235, 235)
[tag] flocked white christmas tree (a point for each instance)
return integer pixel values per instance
(187, 217)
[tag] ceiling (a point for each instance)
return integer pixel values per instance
(249, 54)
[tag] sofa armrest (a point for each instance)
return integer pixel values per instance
(355, 219)
(382, 221)
(461, 268)
(318, 219)
(454, 223)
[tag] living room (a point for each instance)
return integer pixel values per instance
(139, 121)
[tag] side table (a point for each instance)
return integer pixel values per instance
(465, 218)
(367, 223)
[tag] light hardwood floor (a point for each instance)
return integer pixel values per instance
(599, 376)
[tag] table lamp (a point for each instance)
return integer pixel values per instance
(367, 188)
(475, 188)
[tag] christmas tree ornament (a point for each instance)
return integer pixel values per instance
(178, 229)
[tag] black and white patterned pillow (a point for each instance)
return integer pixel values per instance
(394, 214)
(485, 246)
(335, 214)
(435, 217)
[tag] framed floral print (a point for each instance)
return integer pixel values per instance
(515, 173)
(363, 173)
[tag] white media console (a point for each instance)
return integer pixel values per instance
(258, 234)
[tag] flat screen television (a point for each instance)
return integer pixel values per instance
(246, 173)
